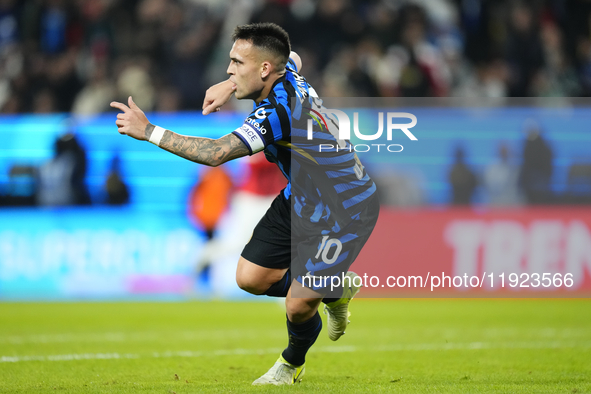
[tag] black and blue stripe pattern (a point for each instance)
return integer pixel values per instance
(328, 185)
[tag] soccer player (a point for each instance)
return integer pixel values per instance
(318, 224)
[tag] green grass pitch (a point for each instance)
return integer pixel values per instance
(395, 345)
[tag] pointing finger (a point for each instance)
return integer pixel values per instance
(120, 106)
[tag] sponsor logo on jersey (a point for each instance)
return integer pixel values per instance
(260, 113)
(256, 125)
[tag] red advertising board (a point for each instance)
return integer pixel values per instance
(521, 252)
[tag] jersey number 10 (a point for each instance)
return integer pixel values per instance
(325, 247)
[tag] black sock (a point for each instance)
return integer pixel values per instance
(280, 289)
(301, 337)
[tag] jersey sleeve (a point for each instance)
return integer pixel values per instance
(264, 126)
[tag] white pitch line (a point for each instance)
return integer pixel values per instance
(488, 333)
(67, 357)
(121, 336)
(322, 349)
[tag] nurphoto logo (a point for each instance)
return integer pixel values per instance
(338, 124)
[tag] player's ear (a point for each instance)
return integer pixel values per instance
(266, 69)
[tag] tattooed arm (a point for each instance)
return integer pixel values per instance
(134, 123)
(201, 150)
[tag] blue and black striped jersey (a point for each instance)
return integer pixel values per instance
(328, 185)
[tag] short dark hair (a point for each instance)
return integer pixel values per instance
(267, 36)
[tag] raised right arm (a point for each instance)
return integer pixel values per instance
(211, 152)
(202, 150)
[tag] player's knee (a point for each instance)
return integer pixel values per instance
(250, 285)
(298, 311)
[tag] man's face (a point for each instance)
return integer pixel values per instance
(245, 70)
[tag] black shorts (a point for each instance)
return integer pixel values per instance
(320, 252)
(270, 245)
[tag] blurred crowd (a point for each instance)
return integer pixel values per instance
(504, 183)
(512, 181)
(78, 55)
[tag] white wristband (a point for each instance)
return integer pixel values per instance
(157, 134)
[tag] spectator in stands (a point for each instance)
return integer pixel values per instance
(97, 93)
(501, 180)
(117, 190)
(524, 52)
(536, 168)
(70, 51)
(558, 78)
(487, 79)
(462, 180)
(415, 67)
(61, 181)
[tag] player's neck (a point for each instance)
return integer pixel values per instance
(268, 87)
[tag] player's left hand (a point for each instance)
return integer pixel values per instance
(218, 95)
(132, 121)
